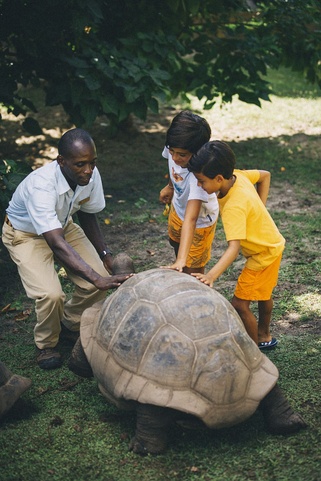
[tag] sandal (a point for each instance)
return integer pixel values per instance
(268, 345)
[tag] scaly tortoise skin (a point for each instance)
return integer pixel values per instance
(165, 344)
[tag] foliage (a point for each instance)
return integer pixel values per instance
(11, 174)
(117, 58)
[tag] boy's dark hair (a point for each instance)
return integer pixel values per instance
(65, 144)
(212, 159)
(188, 131)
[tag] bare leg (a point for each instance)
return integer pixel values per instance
(151, 429)
(189, 270)
(265, 313)
(175, 246)
(249, 320)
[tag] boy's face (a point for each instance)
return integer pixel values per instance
(181, 157)
(210, 186)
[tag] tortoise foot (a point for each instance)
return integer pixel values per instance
(143, 448)
(78, 362)
(279, 416)
(289, 424)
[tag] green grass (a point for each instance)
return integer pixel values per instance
(62, 429)
(65, 430)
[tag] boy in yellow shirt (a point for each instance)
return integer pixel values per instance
(248, 226)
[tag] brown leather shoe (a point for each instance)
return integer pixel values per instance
(48, 358)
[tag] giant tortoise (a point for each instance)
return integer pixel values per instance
(166, 344)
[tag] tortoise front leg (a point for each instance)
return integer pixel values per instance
(151, 429)
(278, 415)
(78, 362)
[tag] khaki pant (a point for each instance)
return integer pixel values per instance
(35, 262)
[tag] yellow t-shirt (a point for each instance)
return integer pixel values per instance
(245, 218)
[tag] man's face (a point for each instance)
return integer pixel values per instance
(78, 167)
(181, 157)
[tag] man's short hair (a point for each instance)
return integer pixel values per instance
(69, 138)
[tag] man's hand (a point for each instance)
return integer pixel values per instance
(110, 282)
(203, 278)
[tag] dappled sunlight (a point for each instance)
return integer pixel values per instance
(309, 302)
(303, 315)
(41, 148)
(282, 116)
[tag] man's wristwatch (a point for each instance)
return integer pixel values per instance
(105, 253)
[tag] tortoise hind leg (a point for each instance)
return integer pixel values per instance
(151, 429)
(278, 415)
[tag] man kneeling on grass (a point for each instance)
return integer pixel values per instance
(39, 229)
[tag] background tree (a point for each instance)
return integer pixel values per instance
(121, 57)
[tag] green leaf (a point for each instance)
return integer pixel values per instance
(153, 105)
(32, 126)
(92, 83)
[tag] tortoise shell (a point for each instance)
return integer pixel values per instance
(164, 338)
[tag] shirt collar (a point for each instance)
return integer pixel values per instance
(63, 186)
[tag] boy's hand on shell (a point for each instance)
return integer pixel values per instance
(178, 269)
(203, 278)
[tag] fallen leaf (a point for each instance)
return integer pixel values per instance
(6, 308)
(194, 469)
(43, 390)
(151, 253)
(22, 316)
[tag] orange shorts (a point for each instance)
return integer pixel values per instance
(200, 251)
(258, 285)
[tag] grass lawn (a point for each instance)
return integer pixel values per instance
(62, 429)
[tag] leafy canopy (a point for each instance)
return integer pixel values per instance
(121, 57)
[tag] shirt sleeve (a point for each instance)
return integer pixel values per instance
(40, 204)
(165, 153)
(252, 175)
(196, 192)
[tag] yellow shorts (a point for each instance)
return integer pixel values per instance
(200, 251)
(258, 285)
